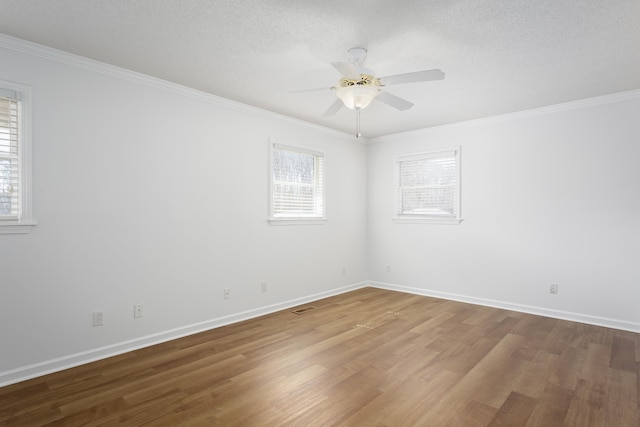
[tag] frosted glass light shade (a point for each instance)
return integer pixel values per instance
(357, 96)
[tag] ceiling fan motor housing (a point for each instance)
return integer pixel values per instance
(365, 80)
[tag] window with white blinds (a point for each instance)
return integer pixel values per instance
(15, 206)
(428, 187)
(297, 183)
(9, 160)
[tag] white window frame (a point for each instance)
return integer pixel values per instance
(284, 219)
(407, 218)
(23, 222)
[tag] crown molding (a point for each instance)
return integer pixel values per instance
(78, 61)
(518, 115)
(51, 54)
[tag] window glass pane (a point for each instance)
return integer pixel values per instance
(8, 157)
(5, 187)
(293, 167)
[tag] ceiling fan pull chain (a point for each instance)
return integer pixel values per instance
(358, 134)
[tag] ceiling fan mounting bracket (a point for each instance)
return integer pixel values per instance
(357, 55)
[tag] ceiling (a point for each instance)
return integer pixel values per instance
(499, 56)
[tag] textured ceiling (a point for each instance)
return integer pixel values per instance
(499, 56)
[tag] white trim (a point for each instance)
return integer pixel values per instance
(539, 311)
(9, 93)
(60, 56)
(16, 227)
(430, 220)
(296, 149)
(45, 52)
(65, 362)
(431, 154)
(297, 221)
(507, 117)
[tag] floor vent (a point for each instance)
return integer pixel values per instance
(303, 310)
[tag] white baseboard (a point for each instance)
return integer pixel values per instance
(72, 360)
(540, 311)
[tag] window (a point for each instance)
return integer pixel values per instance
(428, 187)
(297, 185)
(15, 159)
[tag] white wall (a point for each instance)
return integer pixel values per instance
(146, 192)
(548, 196)
(149, 193)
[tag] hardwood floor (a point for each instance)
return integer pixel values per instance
(370, 357)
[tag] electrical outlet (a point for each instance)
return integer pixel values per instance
(344, 271)
(98, 318)
(227, 293)
(263, 287)
(553, 289)
(138, 311)
(388, 268)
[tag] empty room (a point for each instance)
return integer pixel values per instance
(289, 213)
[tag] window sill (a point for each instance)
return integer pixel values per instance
(14, 227)
(297, 221)
(443, 221)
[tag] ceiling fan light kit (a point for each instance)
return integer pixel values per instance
(357, 97)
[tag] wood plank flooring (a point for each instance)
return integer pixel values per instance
(370, 357)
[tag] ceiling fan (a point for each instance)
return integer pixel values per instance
(358, 86)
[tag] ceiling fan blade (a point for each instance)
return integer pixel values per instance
(346, 70)
(335, 107)
(394, 101)
(417, 76)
